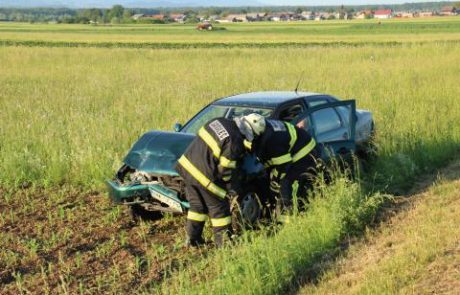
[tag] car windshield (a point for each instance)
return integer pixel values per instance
(217, 111)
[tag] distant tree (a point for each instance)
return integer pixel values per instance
(92, 14)
(116, 12)
(457, 5)
(225, 13)
(95, 14)
(67, 19)
(106, 16)
(213, 11)
(342, 12)
(127, 14)
(115, 20)
(298, 10)
(191, 17)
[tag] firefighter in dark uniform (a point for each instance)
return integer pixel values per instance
(207, 167)
(289, 153)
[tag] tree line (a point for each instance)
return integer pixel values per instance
(119, 14)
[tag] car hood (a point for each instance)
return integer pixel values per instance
(157, 152)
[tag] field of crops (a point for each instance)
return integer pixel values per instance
(263, 34)
(68, 115)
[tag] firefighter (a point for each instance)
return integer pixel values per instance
(289, 153)
(208, 166)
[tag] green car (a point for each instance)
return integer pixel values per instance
(148, 183)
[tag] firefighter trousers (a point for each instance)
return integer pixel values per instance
(299, 178)
(202, 204)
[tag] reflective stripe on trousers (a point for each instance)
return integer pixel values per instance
(218, 222)
(195, 216)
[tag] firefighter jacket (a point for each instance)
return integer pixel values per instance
(213, 155)
(282, 145)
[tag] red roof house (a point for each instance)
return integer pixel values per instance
(383, 13)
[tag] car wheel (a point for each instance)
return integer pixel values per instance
(246, 210)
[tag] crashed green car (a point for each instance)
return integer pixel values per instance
(148, 183)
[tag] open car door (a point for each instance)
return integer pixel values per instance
(333, 127)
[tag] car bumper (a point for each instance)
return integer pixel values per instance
(144, 193)
(127, 194)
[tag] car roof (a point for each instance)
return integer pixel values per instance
(270, 99)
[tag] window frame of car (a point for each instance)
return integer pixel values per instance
(334, 103)
(290, 103)
(328, 99)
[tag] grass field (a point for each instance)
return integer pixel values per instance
(416, 252)
(68, 115)
(352, 32)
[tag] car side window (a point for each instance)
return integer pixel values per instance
(326, 120)
(291, 112)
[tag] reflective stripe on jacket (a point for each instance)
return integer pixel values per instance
(282, 144)
(213, 155)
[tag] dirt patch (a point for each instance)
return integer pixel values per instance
(62, 241)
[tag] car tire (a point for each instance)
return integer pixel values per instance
(246, 210)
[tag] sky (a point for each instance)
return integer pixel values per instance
(339, 2)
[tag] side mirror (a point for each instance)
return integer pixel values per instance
(177, 127)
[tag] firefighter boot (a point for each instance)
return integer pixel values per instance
(222, 235)
(194, 232)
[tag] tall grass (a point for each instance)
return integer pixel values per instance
(270, 263)
(69, 115)
(414, 253)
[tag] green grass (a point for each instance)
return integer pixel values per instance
(69, 115)
(267, 263)
(356, 31)
(416, 252)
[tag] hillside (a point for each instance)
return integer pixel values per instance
(415, 252)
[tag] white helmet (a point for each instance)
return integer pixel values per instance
(251, 125)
